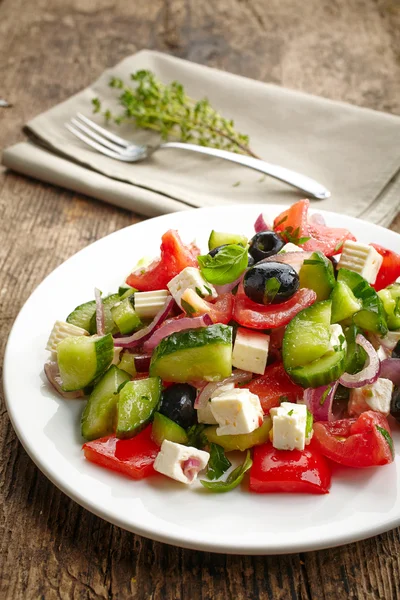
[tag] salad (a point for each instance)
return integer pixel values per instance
(272, 357)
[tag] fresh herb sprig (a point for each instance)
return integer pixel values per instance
(168, 110)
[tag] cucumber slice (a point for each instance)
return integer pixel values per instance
(81, 359)
(109, 325)
(81, 316)
(307, 336)
(321, 371)
(125, 317)
(124, 291)
(194, 354)
(136, 404)
(127, 363)
(165, 429)
(219, 238)
(355, 355)
(99, 416)
(344, 302)
(372, 315)
(390, 297)
(317, 274)
(242, 441)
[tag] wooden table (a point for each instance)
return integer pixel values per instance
(49, 49)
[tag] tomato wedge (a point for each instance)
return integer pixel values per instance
(292, 471)
(390, 268)
(362, 442)
(219, 311)
(294, 222)
(257, 316)
(134, 457)
(274, 386)
(175, 257)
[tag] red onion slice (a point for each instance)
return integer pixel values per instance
(228, 287)
(206, 392)
(53, 375)
(142, 362)
(390, 369)
(191, 467)
(175, 326)
(371, 370)
(317, 219)
(261, 224)
(319, 401)
(137, 338)
(99, 312)
(294, 259)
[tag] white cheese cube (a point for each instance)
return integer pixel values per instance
(376, 396)
(391, 339)
(289, 423)
(60, 331)
(204, 414)
(191, 278)
(361, 258)
(289, 247)
(179, 462)
(148, 304)
(237, 411)
(337, 337)
(250, 351)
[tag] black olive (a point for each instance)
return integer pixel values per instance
(395, 404)
(270, 282)
(250, 261)
(334, 262)
(177, 403)
(396, 350)
(215, 251)
(264, 244)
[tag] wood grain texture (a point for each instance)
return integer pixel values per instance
(349, 50)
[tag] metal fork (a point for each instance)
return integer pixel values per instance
(118, 148)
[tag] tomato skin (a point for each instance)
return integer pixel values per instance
(289, 471)
(133, 457)
(274, 384)
(354, 442)
(257, 316)
(390, 268)
(175, 257)
(221, 310)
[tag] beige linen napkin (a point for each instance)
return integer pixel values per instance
(354, 152)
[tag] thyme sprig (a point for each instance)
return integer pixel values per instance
(168, 110)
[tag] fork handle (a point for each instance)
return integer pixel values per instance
(296, 180)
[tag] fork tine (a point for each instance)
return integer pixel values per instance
(92, 143)
(107, 134)
(94, 136)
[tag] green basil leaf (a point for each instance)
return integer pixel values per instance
(218, 463)
(233, 479)
(387, 437)
(196, 436)
(309, 423)
(226, 266)
(272, 287)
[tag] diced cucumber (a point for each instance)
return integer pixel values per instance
(165, 429)
(99, 416)
(136, 404)
(242, 441)
(109, 325)
(317, 274)
(321, 371)
(355, 354)
(390, 297)
(82, 315)
(124, 291)
(307, 336)
(344, 302)
(127, 363)
(125, 317)
(81, 359)
(371, 317)
(194, 354)
(219, 238)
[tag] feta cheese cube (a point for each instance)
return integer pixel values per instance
(361, 258)
(60, 331)
(237, 411)
(289, 423)
(148, 304)
(337, 337)
(191, 278)
(391, 339)
(289, 247)
(204, 414)
(376, 396)
(179, 462)
(250, 351)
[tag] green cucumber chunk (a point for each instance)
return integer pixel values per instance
(125, 317)
(355, 354)
(219, 238)
(81, 316)
(371, 317)
(109, 325)
(194, 354)
(81, 359)
(125, 291)
(321, 371)
(307, 336)
(137, 402)
(127, 363)
(99, 415)
(390, 297)
(344, 302)
(242, 441)
(164, 428)
(317, 274)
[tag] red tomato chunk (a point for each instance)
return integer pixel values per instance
(274, 386)
(390, 268)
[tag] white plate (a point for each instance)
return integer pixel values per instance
(361, 503)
